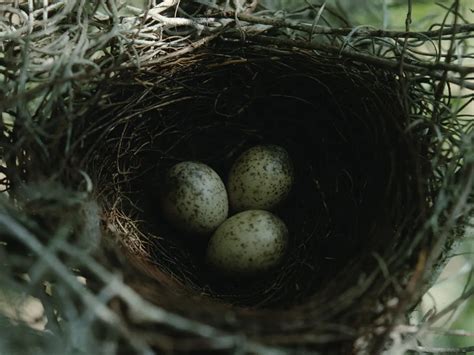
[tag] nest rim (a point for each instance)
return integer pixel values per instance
(249, 311)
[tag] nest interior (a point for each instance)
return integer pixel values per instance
(356, 198)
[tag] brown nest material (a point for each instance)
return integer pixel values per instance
(362, 186)
(96, 104)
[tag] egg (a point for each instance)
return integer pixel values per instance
(248, 243)
(261, 178)
(194, 198)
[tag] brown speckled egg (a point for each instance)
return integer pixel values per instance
(194, 198)
(248, 243)
(261, 178)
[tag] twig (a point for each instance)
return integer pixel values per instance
(430, 350)
(420, 67)
(365, 32)
(165, 5)
(412, 329)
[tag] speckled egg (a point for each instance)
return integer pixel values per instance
(261, 178)
(194, 198)
(248, 243)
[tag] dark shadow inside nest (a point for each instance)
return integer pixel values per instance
(353, 175)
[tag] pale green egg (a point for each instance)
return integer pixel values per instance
(248, 243)
(194, 198)
(261, 178)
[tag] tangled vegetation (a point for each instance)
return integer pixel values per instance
(96, 98)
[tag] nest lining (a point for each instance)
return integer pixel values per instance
(357, 187)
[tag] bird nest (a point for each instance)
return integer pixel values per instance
(382, 175)
(357, 200)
